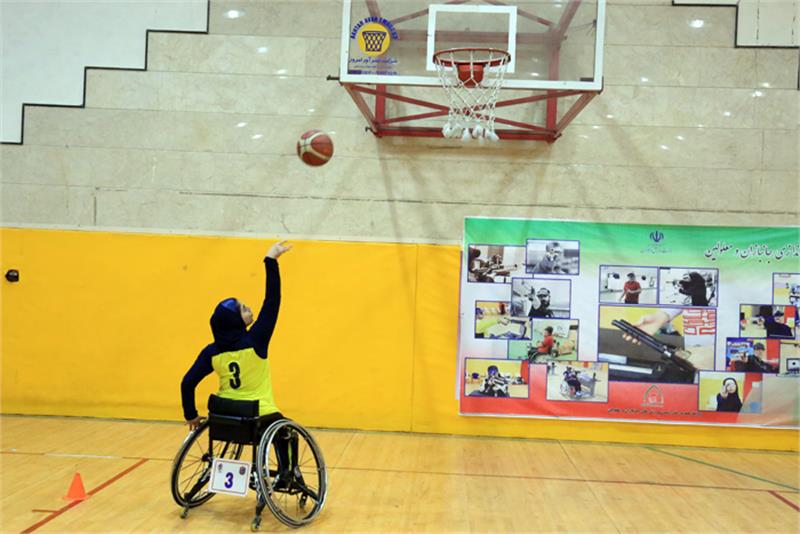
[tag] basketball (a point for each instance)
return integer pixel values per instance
(315, 148)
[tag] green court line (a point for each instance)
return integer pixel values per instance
(734, 471)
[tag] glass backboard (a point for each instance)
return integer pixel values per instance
(554, 44)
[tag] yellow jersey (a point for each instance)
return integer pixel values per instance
(243, 375)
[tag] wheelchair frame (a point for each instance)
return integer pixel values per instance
(271, 483)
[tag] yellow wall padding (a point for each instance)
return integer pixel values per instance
(106, 324)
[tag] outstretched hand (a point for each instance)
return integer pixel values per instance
(650, 324)
(276, 250)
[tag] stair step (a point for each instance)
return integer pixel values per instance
(287, 56)
(229, 93)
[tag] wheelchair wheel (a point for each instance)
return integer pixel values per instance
(191, 470)
(295, 493)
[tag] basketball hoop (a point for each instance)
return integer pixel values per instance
(471, 78)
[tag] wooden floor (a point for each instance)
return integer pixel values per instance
(386, 482)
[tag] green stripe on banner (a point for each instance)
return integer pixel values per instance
(734, 471)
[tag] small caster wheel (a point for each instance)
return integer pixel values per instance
(303, 500)
(255, 524)
(185, 512)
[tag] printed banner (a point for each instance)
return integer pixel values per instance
(670, 324)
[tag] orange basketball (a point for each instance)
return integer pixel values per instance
(315, 148)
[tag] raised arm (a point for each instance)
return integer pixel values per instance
(264, 326)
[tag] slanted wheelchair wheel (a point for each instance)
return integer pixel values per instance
(191, 470)
(295, 493)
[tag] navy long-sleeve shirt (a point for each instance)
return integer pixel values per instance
(231, 334)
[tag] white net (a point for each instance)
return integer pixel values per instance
(471, 79)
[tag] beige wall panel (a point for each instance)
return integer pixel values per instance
(777, 108)
(343, 219)
(429, 181)
(46, 204)
(226, 53)
(777, 191)
(781, 151)
(777, 68)
(369, 178)
(293, 18)
(78, 166)
(322, 57)
(235, 93)
(218, 132)
(668, 26)
(628, 104)
(680, 65)
(119, 89)
(671, 106)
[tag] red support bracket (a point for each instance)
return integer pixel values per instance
(382, 125)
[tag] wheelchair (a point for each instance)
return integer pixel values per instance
(288, 471)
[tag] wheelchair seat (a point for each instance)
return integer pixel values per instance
(288, 468)
(235, 421)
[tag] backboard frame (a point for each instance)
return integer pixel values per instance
(381, 86)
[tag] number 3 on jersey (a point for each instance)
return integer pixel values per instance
(235, 382)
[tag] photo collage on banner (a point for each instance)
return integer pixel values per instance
(630, 322)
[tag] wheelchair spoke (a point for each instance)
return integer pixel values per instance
(192, 493)
(189, 493)
(199, 470)
(186, 465)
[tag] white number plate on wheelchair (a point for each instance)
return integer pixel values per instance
(230, 476)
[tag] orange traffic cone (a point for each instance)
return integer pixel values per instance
(76, 491)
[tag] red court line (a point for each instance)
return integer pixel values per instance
(73, 504)
(784, 499)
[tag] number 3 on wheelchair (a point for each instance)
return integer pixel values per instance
(287, 470)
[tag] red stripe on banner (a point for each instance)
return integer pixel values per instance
(73, 504)
(784, 499)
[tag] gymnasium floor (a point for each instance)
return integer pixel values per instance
(393, 482)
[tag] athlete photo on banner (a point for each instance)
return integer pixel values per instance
(688, 287)
(766, 320)
(540, 297)
(551, 339)
(545, 256)
(648, 323)
(577, 381)
(494, 378)
(786, 289)
(752, 355)
(628, 284)
(492, 264)
(789, 358)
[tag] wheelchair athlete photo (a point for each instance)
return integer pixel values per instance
(288, 471)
